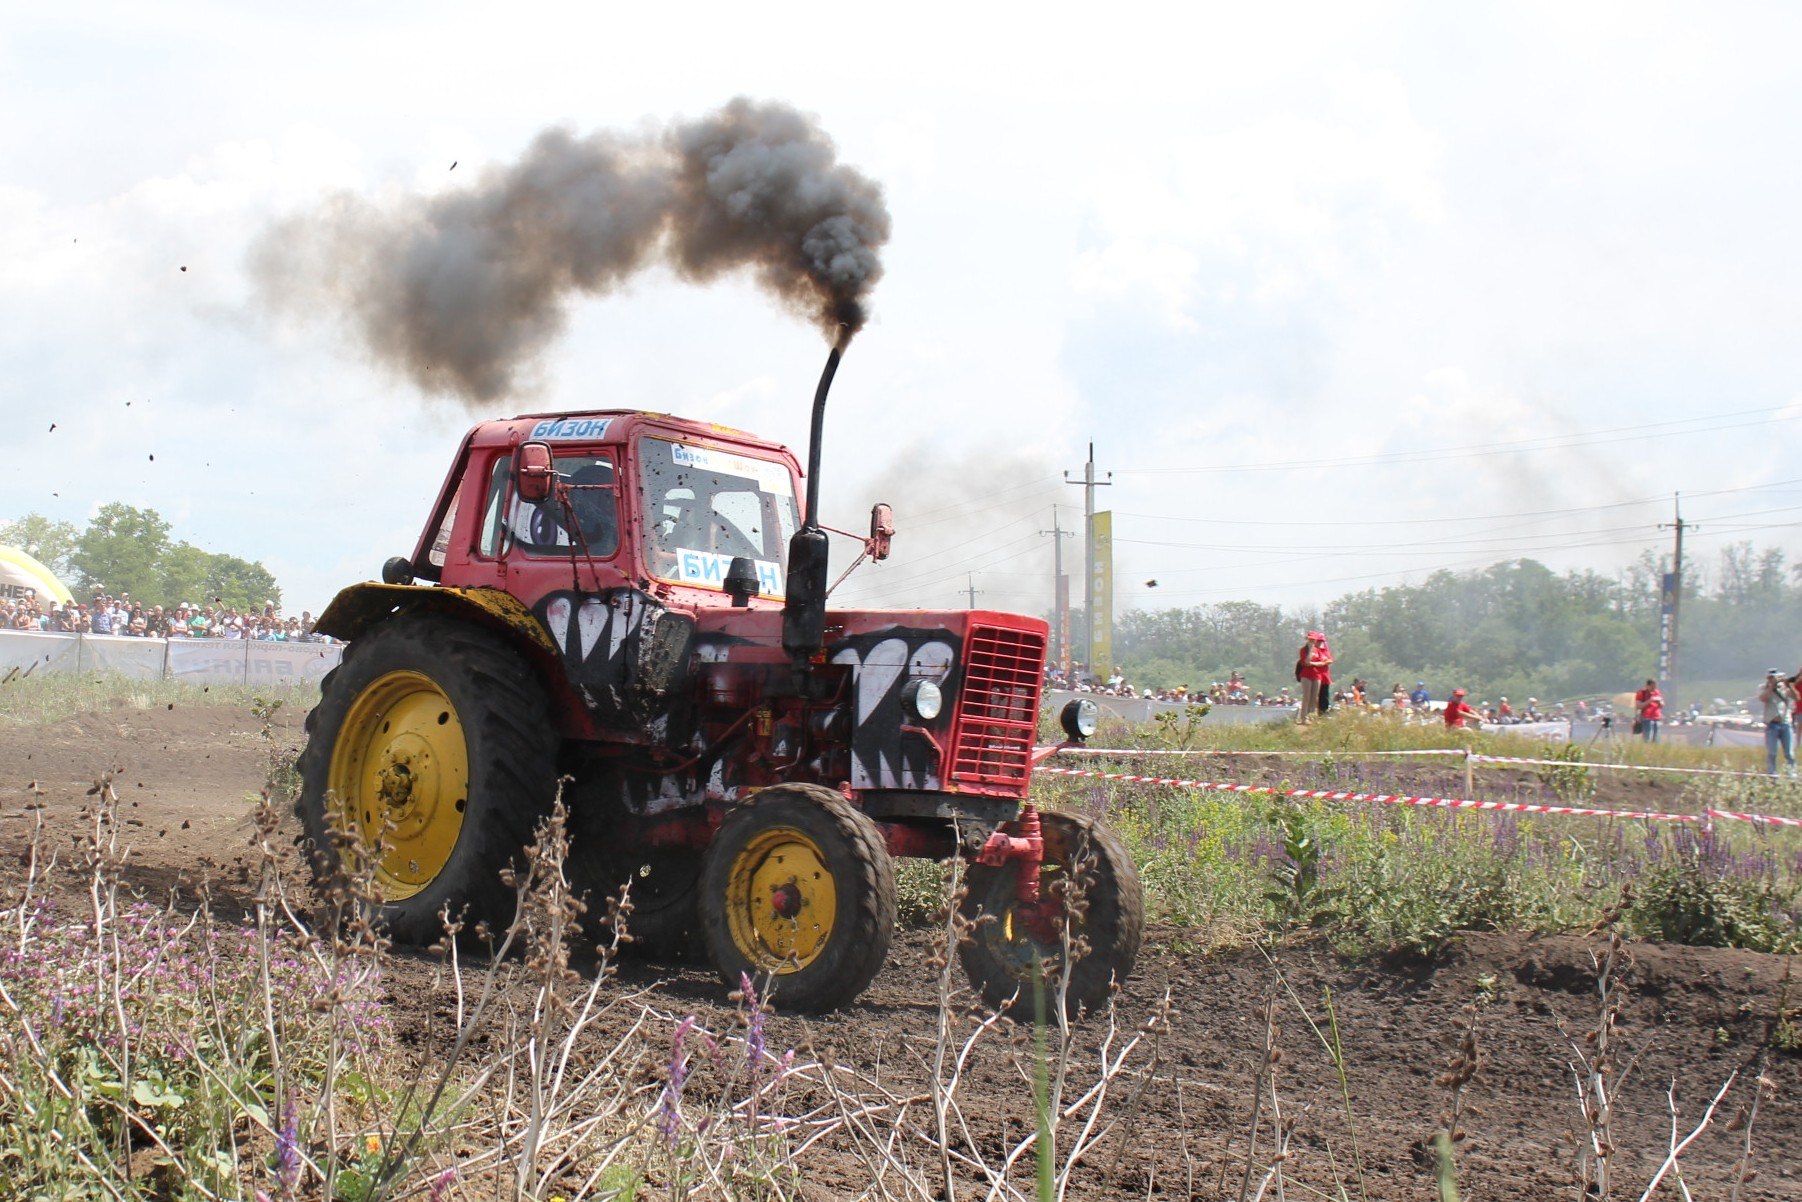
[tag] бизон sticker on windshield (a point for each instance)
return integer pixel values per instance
(772, 478)
(572, 427)
(709, 571)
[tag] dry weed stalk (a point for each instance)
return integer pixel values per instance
(1266, 1064)
(1461, 1068)
(1670, 1162)
(1744, 1120)
(1593, 1064)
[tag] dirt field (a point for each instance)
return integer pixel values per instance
(1692, 1015)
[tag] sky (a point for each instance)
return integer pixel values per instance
(1340, 294)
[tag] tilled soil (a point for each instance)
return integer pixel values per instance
(1691, 1016)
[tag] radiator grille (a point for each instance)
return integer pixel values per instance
(998, 710)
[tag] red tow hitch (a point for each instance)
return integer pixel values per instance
(1026, 852)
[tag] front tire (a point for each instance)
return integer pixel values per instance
(798, 886)
(1088, 881)
(431, 758)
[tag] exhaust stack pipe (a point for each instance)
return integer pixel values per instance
(804, 611)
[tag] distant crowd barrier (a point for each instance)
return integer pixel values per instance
(205, 661)
(1142, 709)
(1562, 730)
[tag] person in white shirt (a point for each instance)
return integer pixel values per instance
(1779, 697)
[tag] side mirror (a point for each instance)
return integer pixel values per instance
(882, 529)
(536, 472)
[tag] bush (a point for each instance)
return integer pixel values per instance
(1707, 896)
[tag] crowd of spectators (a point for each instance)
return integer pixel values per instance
(121, 615)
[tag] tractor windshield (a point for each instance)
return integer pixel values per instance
(705, 507)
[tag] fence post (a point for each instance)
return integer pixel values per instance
(1469, 784)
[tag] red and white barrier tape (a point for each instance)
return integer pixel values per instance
(1144, 752)
(1459, 803)
(1149, 751)
(1771, 819)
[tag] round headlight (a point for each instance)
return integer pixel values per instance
(924, 699)
(1080, 717)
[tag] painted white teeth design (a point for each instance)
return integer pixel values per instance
(882, 667)
(556, 616)
(591, 619)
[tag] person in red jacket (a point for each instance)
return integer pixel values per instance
(1458, 712)
(1314, 669)
(1650, 703)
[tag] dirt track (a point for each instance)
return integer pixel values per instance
(182, 775)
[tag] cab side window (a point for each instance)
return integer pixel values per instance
(590, 521)
(492, 529)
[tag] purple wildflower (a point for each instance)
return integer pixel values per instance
(287, 1151)
(669, 1120)
(441, 1185)
(754, 1037)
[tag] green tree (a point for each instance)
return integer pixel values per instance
(122, 550)
(239, 583)
(185, 568)
(47, 541)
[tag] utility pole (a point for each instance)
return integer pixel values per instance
(1670, 601)
(972, 590)
(1089, 485)
(1060, 595)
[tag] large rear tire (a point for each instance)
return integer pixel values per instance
(431, 759)
(798, 886)
(1087, 880)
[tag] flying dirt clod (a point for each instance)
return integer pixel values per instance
(462, 291)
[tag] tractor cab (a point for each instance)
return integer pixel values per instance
(631, 500)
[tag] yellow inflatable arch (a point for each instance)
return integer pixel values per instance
(20, 571)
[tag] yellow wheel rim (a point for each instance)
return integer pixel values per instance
(400, 780)
(781, 901)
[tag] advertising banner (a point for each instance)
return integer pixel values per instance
(208, 661)
(136, 659)
(1061, 626)
(211, 660)
(1101, 572)
(289, 663)
(23, 653)
(1667, 627)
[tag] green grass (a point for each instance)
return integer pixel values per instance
(39, 700)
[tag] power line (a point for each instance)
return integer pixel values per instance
(871, 586)
(1485, 517)
(1484, 560)
(1573, 440)
(1427, 546)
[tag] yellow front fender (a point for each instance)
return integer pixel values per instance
(361, 606)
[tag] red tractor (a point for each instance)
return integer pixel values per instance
(637, 603)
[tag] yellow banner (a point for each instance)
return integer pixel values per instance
(1101, 574)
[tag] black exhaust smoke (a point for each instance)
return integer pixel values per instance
(460, 292)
